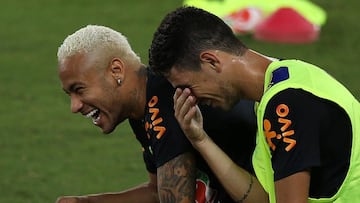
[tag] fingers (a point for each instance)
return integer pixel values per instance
(198, 115)
(184, 103)
(180, 97)
(190, 114)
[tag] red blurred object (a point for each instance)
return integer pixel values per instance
(286, 25)
(244, 20)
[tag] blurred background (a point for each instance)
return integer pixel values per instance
(46, 151)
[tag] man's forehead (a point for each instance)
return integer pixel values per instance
(176, 72)
(70, 61)
(71, 70)
(178, 77)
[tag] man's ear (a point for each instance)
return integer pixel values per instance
(210, 59)
(117, 68)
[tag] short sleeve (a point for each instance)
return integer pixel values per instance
(291, 125)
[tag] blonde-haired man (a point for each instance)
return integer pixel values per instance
(107, 83)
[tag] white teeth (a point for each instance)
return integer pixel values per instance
(95, 120)
(95, 115)
(91, 113)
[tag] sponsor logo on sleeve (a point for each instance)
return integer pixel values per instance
(284, 132)
(153, 122)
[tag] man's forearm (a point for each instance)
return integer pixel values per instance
(239, 183)
(144, 193)
(140, 194)
(177, 179)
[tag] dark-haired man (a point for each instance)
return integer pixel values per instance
(308, 123)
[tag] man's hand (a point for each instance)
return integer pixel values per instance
(189, 115)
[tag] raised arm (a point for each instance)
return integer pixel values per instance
(241, 185)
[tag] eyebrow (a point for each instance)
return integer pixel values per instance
(71, 88)
(67, 92)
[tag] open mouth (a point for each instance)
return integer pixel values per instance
(94, 115)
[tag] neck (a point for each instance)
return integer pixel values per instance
(139, 110)
(255, 65)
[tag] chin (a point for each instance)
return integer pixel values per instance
(110, 126)
(108, 130)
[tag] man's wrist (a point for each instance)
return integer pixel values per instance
(200, 143)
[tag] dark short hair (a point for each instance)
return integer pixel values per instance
(184, 33)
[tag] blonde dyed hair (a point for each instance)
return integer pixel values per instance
(99, 39)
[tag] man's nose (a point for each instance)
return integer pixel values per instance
(76, 104)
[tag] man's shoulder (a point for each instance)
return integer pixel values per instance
(159, 93)
(158, 86)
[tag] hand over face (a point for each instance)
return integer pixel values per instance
(188, 115)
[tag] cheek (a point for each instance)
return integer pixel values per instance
(98, 98)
